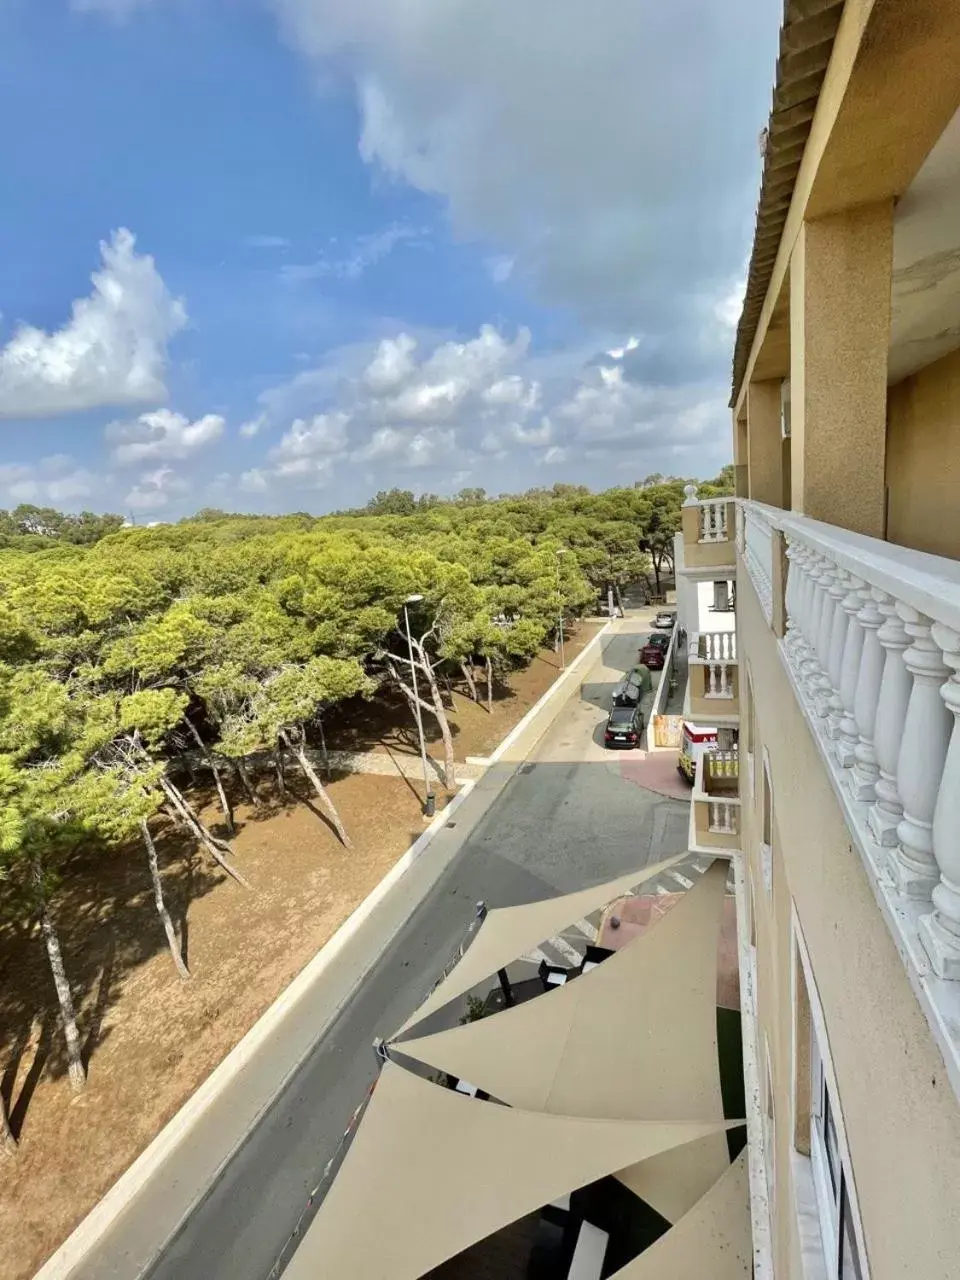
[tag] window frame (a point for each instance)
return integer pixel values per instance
(833, 1190)
(766, 823)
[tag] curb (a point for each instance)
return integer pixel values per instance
(130, 1183)
(541, 702)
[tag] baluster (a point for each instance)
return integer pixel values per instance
(940, 932)
(713, 821)
(803, 600)
(823, 685)
(849, 671)
(790, 598)
(714, 676)
(865, 769)
(895, 686)
(810, 672)
(838, 640)
(722, 520)
(926, 735)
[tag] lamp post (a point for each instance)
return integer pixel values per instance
(561, 551)
(429, 802)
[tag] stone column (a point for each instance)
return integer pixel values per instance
(763, 442)
(940, 932)
(840, 291)
(847, 735)
(923, 751)
(863, 777)
(895, 686)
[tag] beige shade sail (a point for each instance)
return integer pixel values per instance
(714, 1239)
(431, 1172)
(633, 1039)
(509, 932)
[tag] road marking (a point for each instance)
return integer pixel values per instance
(588, 930)
(699, 868)
(571, 954)
(536, 956)
(661, 889)
(675, 875)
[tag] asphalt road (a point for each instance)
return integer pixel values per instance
(567, 818)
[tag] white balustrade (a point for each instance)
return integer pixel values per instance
(850, 660)
(717, 645)
(923, 751)
(940, 932)
(713, 520)
(884, 817)
(872, 646)
(724, 817)
(758, 556)
(719, 681)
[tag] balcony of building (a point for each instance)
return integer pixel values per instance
(713, 686)
(708, 534)
(715, 802)
(869, 635)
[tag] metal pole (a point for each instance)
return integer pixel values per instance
(563, 664)
(428, 802)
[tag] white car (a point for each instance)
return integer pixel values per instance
(664, 620)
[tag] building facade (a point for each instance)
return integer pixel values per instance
(844, 681)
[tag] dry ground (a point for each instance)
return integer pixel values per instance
(150, 1040)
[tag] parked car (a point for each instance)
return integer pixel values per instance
(624, 727)
(627, 693)
(665, 620)
(653, 653)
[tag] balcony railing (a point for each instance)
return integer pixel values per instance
(872, 648)
(713, 676)
(708, 530)
(716, 800)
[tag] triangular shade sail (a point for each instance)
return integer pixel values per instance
(633, 1039)
(509, 932)
(431, 1172)
(714, 1239)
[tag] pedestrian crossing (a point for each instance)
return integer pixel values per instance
(566, 949)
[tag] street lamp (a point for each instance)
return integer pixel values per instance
(561, 551)
(429, 802)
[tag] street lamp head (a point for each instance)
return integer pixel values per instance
(414, 599)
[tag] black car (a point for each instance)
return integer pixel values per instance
(624, 727)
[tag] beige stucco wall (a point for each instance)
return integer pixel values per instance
(901, 1116)
(707, 709)
(923, 459)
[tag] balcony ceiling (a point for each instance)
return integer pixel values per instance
(926, 261)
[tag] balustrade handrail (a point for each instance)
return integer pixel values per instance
(929, 583)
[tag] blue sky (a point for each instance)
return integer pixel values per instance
(357, 244)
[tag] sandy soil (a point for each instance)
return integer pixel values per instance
(150, 1039)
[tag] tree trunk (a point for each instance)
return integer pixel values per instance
(215, 847)
(8, 1143)
(329, 807)
(215, 770)
(278, 767)
(440, 711)
(619, 600)
(247, 782)
(78, 1077)
(489, 686)
(655, 559)
(471, 683)
(323, 748)
(162, 911)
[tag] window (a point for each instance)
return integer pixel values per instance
(766, 825)
(820, 1159)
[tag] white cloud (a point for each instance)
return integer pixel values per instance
(325, 433)
(112, 351)
(266, 242)
(156, 489)
(351, 263)
(162, 434)
(391, 365)
(574, 145)
(555, 456)
(54, 481)
(617, 353)
(254, 426)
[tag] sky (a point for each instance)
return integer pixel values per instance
(276, 255)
